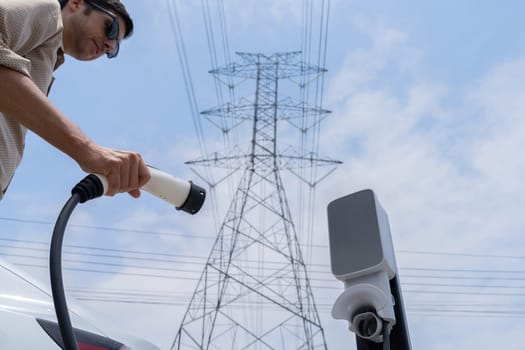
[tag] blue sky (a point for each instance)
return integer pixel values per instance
(427, 101)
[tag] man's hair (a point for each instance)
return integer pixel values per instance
(115, 6)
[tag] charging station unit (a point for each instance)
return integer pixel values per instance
(362, 257)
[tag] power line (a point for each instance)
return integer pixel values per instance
(324, 280)
(212, 237)
(416, 311)
(202, 259)
(106, 228)
(473, 255)
(427, 311)
(435, 273)
(179, 299)
(190, 90)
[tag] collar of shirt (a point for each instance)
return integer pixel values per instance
(60, 58)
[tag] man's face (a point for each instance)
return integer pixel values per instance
(87, 38)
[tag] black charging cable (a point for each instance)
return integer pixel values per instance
(386, 336)
(89, 188)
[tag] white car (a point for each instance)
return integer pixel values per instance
(28, 321)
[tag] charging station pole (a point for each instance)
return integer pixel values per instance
(399, 337)
(362, 256)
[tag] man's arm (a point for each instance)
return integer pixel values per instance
(21, 100)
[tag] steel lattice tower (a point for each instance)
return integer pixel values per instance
(254, 291)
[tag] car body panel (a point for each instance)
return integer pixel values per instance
(23, 299)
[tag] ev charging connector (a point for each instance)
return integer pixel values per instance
(185, 195)
(362, 256)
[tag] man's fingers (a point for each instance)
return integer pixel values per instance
(113, 183)
(134, 175)
(144, 174)
(134, 193)
(125, 171)
(124, 177)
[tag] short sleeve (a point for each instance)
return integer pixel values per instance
(11, 60)
(25, 26)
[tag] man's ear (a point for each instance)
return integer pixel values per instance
(74, 5)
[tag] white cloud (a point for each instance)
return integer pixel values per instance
(448, 174)
(389, 51)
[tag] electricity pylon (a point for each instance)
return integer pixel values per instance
(254, 291)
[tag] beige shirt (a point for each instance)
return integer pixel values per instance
(30, 43)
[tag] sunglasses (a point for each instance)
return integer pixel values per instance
(112, 29)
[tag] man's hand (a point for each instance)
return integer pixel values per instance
(125, 171)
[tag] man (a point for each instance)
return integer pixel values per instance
(34, 35)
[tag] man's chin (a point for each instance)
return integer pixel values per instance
(83, 56)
